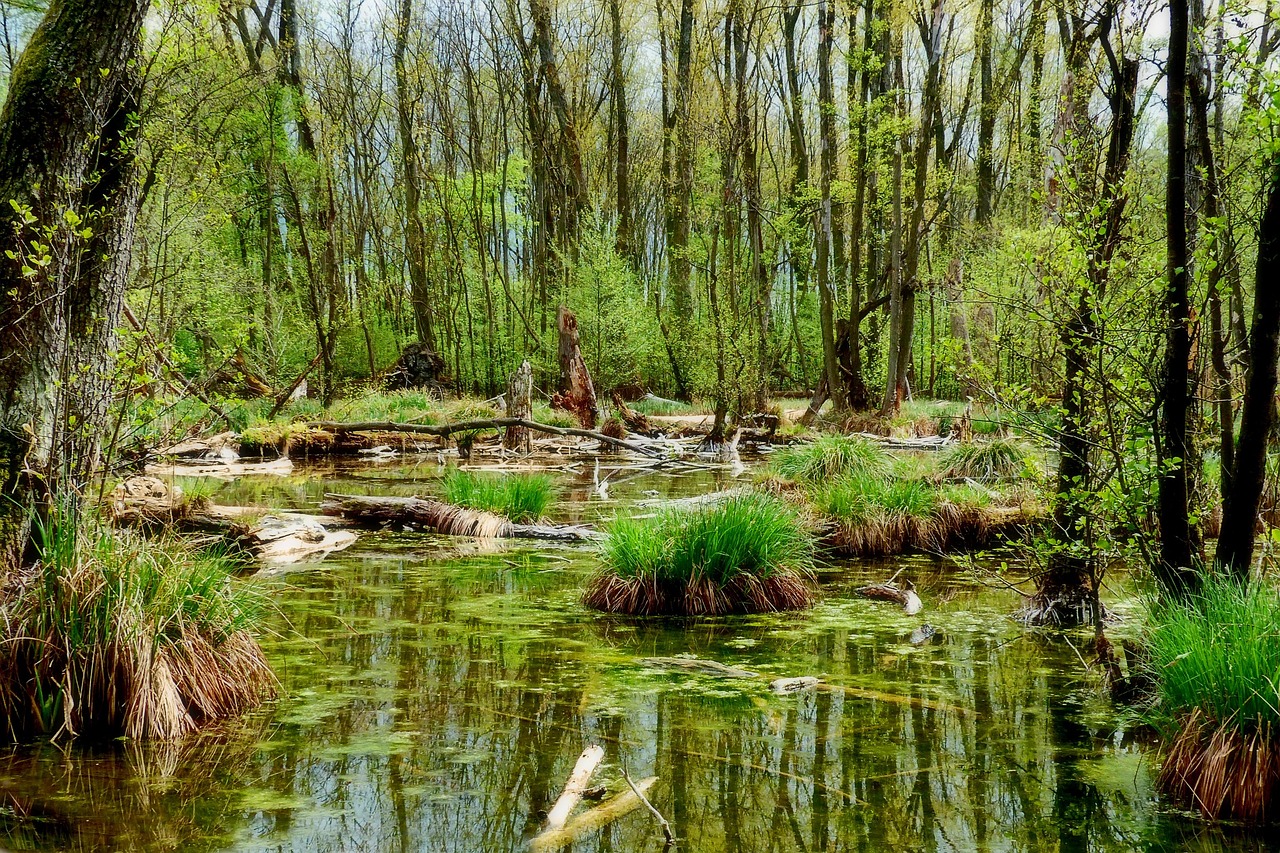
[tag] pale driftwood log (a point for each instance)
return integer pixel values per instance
(292, 539)
(223, 447)
(520, 407)
(149, 503)
(445, 430)
(223, 470)
(783, 686)
(695, 501)
(926, 442)
(594, 819)
(577, 783)
(446, 519)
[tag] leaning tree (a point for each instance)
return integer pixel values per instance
(68, 133)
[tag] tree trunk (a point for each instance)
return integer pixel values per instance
(822, 225)
(1240, 509)
(679, 202)
(67, 134)
(1177, 539)
(1067, 592)
(577, 392)
(986, 116)
(625, 239)
(410, 163)
(519, 405)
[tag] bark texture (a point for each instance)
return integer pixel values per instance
(67, 135)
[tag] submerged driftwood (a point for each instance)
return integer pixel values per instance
(702, 665)
(575, 787)
(444, 518)
(560, 832)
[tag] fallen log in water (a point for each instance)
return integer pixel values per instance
(905, 596)
(594, 819)
(695, 501)
(447, 519)
(149, 503)
(446, 430)
(575, 786)
(706, 667)
(223, 470)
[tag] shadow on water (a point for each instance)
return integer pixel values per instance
(436, 694)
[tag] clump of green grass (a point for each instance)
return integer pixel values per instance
(520, 497)
(544, 414)
(750, 553)
(868, 516)
(659, 406)
(403, 406)
(110, 634)
(988, 461)
(831, 456)
(1215, 660)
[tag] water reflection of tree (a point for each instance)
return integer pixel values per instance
(450, 700)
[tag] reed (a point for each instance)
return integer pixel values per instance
(110, 634)
(748, 554)
(831, 456)
(519, 497)
(1215, 660)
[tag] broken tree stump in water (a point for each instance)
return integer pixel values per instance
(577, 392)
(519, 406)
(905, 596)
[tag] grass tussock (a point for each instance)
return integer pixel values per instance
(749, 554)
(1000, 459)
(110, 634)
(831, 456)
(522, 498)
(870, 517)
(1216, 664)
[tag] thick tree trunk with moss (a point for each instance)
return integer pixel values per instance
(67, 136)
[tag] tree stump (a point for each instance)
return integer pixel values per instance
(577, 392)
(519, 405)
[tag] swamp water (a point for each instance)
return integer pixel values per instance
(436, 693)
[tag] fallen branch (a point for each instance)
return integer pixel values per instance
(446, 430)
(446, 519)
(587, 763)
(657, 815)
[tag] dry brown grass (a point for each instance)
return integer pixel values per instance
(114, 635)
(950, 527)
(745, 593)
(1222, 771)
